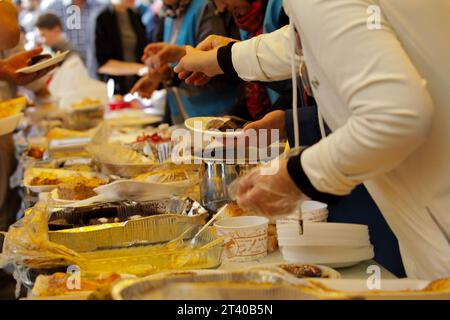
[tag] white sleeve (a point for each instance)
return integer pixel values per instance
(390, 109)
(264, 58)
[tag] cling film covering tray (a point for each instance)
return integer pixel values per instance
(145, 260)
(144, 231)
(27, 246)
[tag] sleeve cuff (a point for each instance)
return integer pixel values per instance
(225, 59)
(302, 181)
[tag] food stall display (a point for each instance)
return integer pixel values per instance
(105, 198)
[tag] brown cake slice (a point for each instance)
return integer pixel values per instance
(79, 189)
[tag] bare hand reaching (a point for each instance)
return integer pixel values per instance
(159, 54)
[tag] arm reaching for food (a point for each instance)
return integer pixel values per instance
(160, 54)
(250, 60)
(9, 67)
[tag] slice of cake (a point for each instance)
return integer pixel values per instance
(79, 188)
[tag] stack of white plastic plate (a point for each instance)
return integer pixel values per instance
(332, 244)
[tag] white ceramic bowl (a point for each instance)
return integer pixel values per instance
(245, 237)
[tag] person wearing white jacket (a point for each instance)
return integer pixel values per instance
(380, 72)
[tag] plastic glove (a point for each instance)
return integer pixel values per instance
(267, 190)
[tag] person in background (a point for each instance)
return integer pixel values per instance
(153, 21)
(51, 34)
(358, 207)
(255, 17)
(231, 29)
(77, 27)
(29, 12)
(119, 41)
(186, 23)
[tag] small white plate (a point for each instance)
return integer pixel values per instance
(330, 272)
(199, 125)
(44, 64)
(305, 241)
(9, 124)
(335, 257)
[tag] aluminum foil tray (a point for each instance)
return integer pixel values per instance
(145, 231)
(123, 210)
(145, 260)
(193, 285)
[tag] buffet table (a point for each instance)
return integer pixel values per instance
(355, 272)
(124, 212)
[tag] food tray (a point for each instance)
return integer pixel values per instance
(130, 170)
(145, 260)
(123, 210)
(390, 289)
(30, 173)
(254, 284)
(144, 231)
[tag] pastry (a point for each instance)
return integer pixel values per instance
(79, 188)
(45, 179)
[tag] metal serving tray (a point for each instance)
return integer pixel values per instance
(251, 284)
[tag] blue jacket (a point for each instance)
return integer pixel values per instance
(196, 102)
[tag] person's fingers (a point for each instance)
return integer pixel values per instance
(32, 53)
(195, 76)
(179, 67)
(254, 125)
(136, 86)
(206, 44)
(183, 75)
(151, 50)
(203, 79)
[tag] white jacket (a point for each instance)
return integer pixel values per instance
(385, 93)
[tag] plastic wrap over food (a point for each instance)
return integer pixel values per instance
(27, 243)
(177, 254)
(115, 152)
(121, 211)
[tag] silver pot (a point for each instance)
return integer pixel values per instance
(215, 178)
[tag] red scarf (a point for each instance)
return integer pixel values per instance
(253, 20)
(258, 102)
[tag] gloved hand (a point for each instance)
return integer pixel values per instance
(267, 190)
